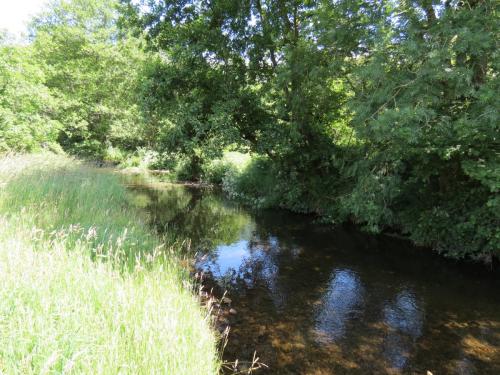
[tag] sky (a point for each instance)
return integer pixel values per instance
(15, 14)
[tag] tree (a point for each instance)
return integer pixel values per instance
(251, 73)
(427, 114)
(26, 105)
(94, 72)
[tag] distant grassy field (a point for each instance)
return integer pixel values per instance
(67, 303)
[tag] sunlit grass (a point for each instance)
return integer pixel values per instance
(65, 304)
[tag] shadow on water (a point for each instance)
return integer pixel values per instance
(315, 300)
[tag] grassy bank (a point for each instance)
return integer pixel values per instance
(66, 306)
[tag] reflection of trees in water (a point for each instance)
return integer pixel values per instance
(270, 268)
(248, 264)
(263, 269)
(184, 214)
(209, 223)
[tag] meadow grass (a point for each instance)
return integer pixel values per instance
(67, 304)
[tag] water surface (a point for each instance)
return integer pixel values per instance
(312, 299)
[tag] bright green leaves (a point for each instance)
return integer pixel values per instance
(26, 105)
(93, 73)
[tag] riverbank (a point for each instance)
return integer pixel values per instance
(79, 290)
(252, 182)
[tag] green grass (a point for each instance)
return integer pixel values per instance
(66, 304)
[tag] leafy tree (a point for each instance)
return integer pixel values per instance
(250, 73)
(26, 105)
(427, 112)
(422, 155)
(94, 72)
(197, 93)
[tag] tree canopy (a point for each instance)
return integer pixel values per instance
(384, 113)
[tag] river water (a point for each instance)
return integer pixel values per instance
(312, 299)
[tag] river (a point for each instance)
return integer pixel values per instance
(312, 299)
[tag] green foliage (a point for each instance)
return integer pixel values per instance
(26, 105)
(231, 162)
(254, 184)
(93, 72)
(383, 113)
(429, 123)
(142, 158)
(379, 112)
(113, 155)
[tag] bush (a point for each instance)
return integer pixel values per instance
(185, 170)
(231, 162)
(252, 182)
(142, 158)
(113, 155)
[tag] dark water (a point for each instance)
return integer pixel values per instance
(310, 299)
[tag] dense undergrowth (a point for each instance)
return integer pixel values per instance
(83, 285)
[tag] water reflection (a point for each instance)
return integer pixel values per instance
(405, 320)
(184, 213)
(227, 261)
(312, 300)
(342, 302)
(247, 263)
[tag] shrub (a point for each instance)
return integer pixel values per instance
(252, 182)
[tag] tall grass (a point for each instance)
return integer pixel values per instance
(65, 305)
